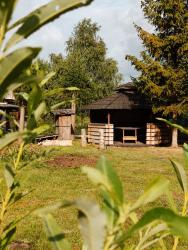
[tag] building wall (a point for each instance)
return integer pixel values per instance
(124, 118)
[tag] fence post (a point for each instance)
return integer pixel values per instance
(83, 138)
(102, 141)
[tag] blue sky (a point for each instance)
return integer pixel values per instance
(115, 17)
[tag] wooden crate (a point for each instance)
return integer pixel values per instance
(94, 133)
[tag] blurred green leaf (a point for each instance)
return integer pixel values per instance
(9, 175)
(57, 105)
(44, 211)
(41, 16)
(116, 186)
(55, 235)
(181, 175)
(39, 111)
(55, 91)
(13, 64)
(110, 208)
(92, 224)
(46, 79)
(180, 128)
(97, 177)
(6, 9)
(24, 95)
(41, 129)
(155, 189)
(178, 225)
(72, 89)
(7, 237)
(8, 139)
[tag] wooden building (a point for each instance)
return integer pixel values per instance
(64, 124)
(126, 117)
(9, 109)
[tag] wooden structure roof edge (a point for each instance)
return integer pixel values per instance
(64, 112)
(8, 105)
(124, 97)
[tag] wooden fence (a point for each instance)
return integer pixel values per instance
(96, 130)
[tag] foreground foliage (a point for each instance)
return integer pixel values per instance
(13, 62)
(110, 226)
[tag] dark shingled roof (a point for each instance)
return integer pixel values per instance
(64, 112)
(124, 97)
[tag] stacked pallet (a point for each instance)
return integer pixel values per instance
(94, 133)
(157, 134)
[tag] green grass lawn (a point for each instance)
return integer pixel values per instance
(136, 167)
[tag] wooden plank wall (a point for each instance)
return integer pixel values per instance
(157, 134)
(94, 133)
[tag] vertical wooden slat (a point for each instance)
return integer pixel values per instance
(83, 138)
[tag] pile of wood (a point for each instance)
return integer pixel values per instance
(157, 134)
(98, 130)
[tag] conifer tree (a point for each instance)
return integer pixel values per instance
(163, 65)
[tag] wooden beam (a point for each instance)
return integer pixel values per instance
(109, 116)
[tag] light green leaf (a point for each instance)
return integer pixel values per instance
(8, 139)
(40, 130)
(12, 64)
(6, 9)
(110, 208)
(180, 128)
(152, 192)
(72, 88)
(181, 175)
(92, 224)
(42, 212)
(46, 79)
(39, 111)
(55, 235)
(178, 225)
(157, 229)
(52, 92)
(106, 168)
(24, 95)
(57, 105)
(97, 177)
(9, 175)
(41, 16)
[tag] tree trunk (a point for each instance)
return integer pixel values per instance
(174, 138)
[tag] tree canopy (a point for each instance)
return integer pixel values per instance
(163, 65)
(86, 64)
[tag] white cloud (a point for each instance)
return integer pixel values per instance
(115, 18)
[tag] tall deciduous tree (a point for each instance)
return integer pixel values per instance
(163, 65)
(86, 65)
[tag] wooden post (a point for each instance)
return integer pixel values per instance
(102, 141)
(83, 138)
(22, 119)
(73, 116)
(108, 118)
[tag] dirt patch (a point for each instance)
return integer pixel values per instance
(72, 161)
(17, 245)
